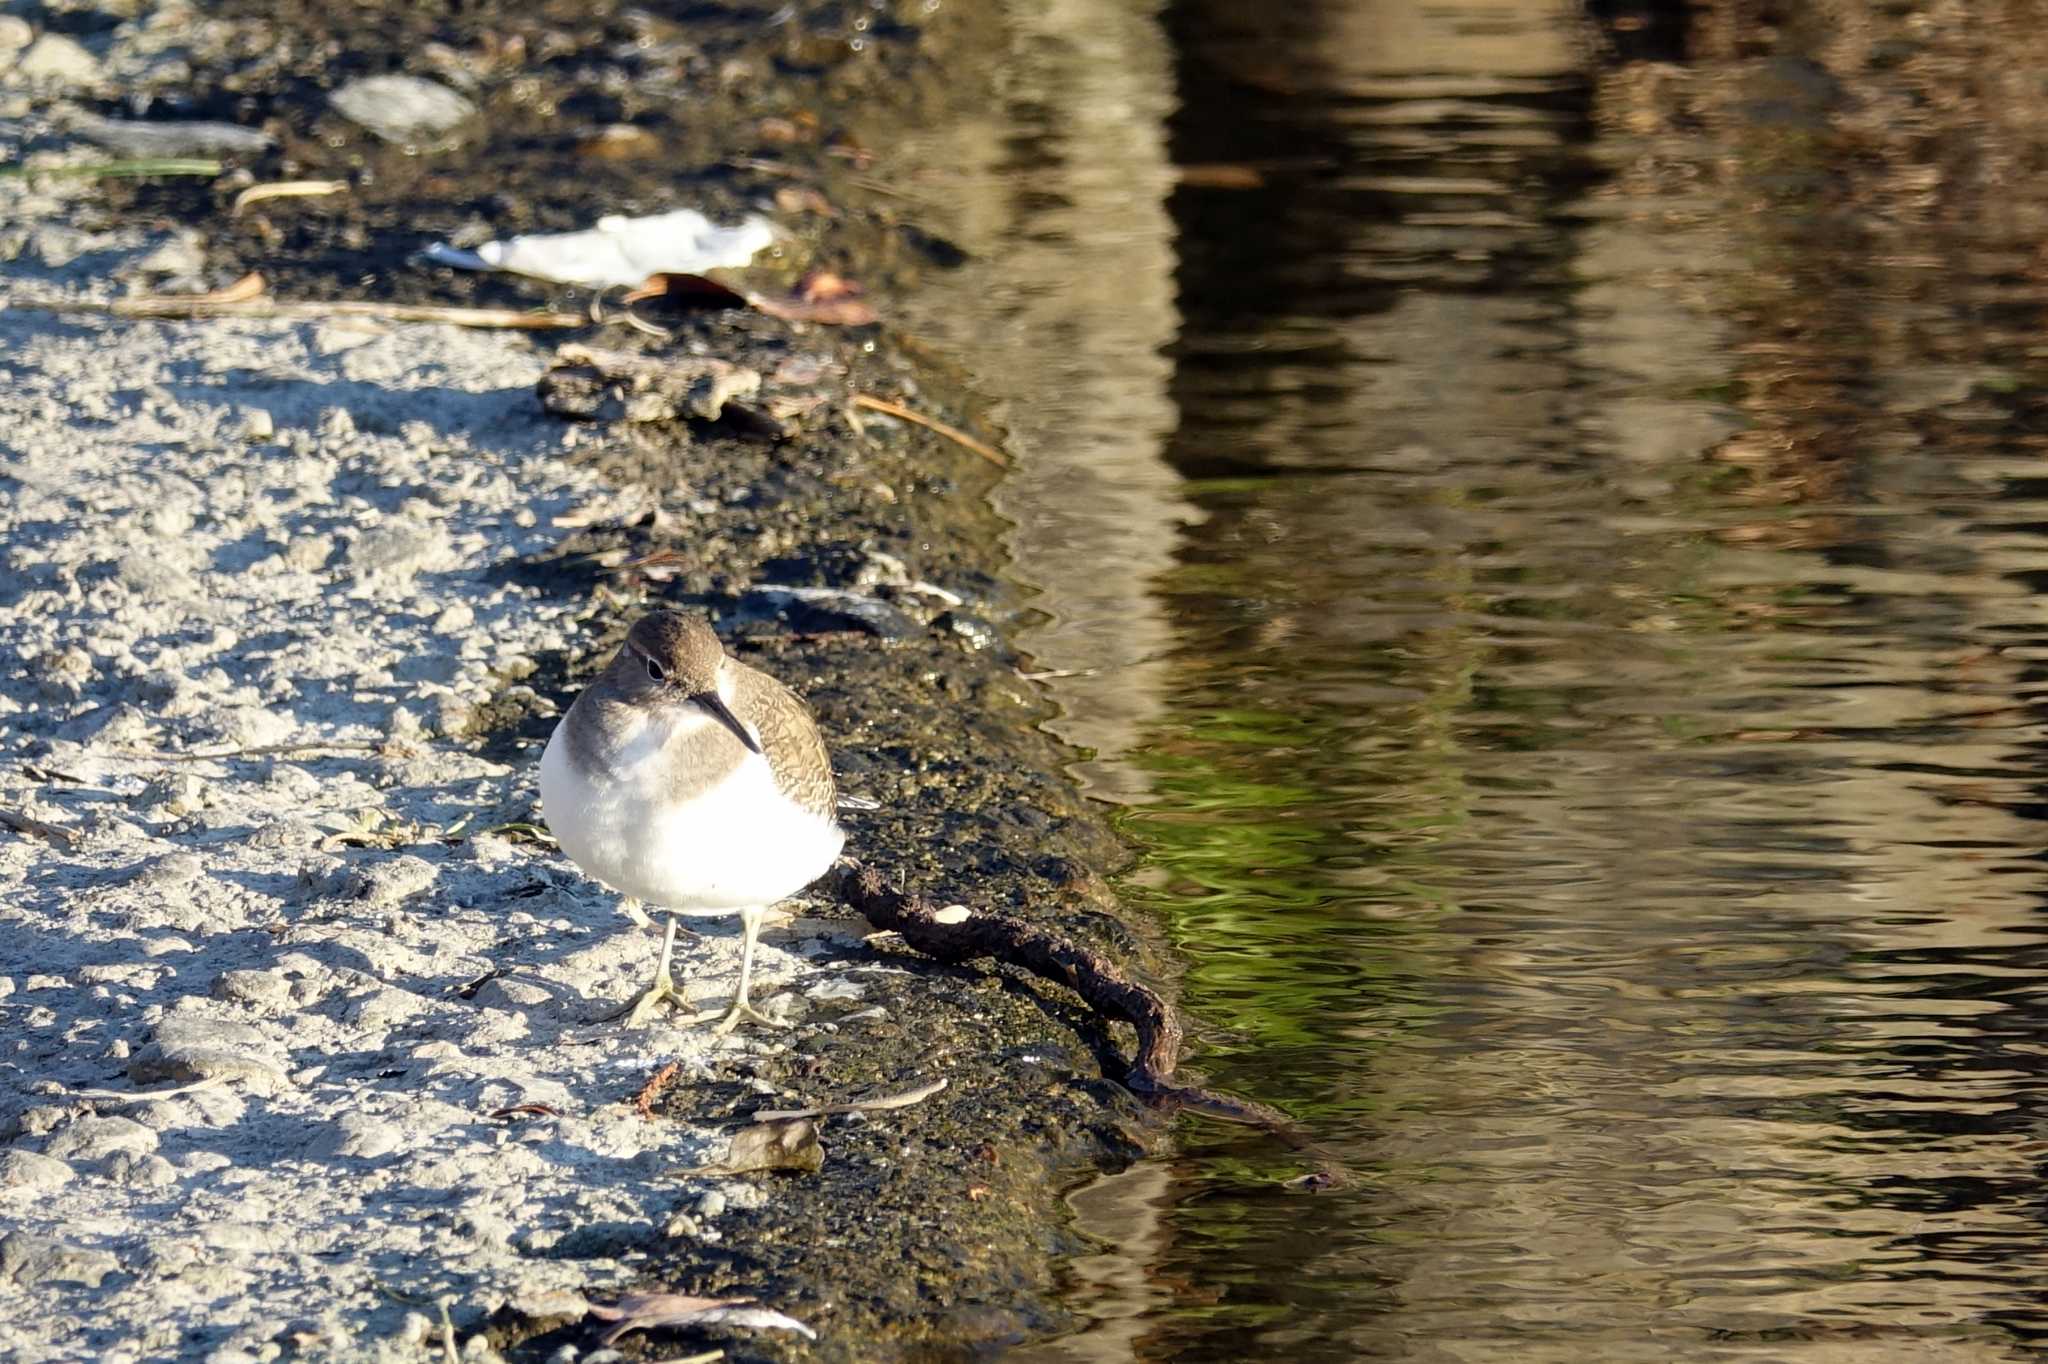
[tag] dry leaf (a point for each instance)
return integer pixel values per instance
(788, 1145)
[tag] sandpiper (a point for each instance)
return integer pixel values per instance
(685, 779)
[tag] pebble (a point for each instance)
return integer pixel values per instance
(258, 989)
(257, 426)
(171, 795)
(93, 1137)
(969, 629)
(54, 59)
(511, 994)
(153, 577)
(402, 109)
(398, 549)
(15, 34)
(28, 1170)
(383, 1010)
(308, 553)
(147, 1172)
(187, 1048)
(29, 1260)
(385, 885)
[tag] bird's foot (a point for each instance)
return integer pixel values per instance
(743, 1012)
(639, 1011)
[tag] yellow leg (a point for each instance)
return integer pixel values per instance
(649, 1002)
(742, 1011)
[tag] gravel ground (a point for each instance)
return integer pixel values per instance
(245, 536)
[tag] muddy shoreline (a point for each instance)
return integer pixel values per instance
(930, 1232)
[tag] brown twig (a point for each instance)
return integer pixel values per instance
(527, 1111)
(286, 189)
(652, 1090)
(891, 408)
(951, 935)
(28, 824)
(887, 1101)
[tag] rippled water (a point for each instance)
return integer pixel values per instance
(1592, 764)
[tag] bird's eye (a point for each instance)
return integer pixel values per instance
(655, 671)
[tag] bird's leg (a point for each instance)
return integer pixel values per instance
(663, 991)
(750, 920)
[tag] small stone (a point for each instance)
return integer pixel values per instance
(361, 1136)
(454, 620)
(172, 869)
(187, 1048)
(398, 549)
(171, 795)
(27, 1170)
(383, 1010)
(29, 1260)
(712, 1204)
(511, 994)
(402, 109)
(257, 425)
(153, 577)
(93, 1137)
(144, 1172)
(54, 59)
(15, 34)
(386, 885)
(258, 989)
(969, 629)
(37, 1121)
(182, 254)
(452, 715)
(402, 726)
(308, 553)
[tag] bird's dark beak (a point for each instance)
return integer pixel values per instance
(720, 712)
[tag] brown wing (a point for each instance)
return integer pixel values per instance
(796, 750)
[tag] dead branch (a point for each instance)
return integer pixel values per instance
(28, 824)
(950, 935)
(882, 1104)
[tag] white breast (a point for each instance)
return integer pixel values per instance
(741, 844)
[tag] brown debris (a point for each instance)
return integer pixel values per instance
(527, 1111)
(945, 933)
(890, 407)
(652, 1090)
(28, 824)
(792, 1144)
(587, 384)
(840, 309)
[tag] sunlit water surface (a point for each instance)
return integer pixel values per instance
(1588, 747)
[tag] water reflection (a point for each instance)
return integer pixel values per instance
(1064, 308)
(1598, 785)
